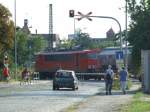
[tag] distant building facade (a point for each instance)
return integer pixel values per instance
(110, 33)
(52, 39)
(72, 36)
(25, 27)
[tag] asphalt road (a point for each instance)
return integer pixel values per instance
(39, 96)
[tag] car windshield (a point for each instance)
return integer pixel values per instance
(64, 75)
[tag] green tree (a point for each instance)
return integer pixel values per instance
(6, 31)
(38, 43)
(27, 46)
(83, 39)
(66, 44)
(22, 47)
(138, 35)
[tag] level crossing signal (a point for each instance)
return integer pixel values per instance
(71, 13)
(85, 16)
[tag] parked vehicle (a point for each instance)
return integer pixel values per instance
(65, 79)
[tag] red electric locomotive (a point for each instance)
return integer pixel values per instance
(79, 61)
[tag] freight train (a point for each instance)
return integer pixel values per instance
(85, 61)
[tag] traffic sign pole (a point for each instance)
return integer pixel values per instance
(119, 59)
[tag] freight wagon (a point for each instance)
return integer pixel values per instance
(107, 56)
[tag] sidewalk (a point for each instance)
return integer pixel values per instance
(136, 85)
(107, 103)
(11, 83)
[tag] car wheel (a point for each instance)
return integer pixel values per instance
(73, 88)
(99, 78)
(77, 88)
(57, 88)
(54, 88)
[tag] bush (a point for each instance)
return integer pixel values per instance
(138, 104)
(116, 84)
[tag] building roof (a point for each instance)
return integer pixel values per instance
(110, 33)
(113, 50)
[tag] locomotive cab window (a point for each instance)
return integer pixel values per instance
(58, 57)
(92, 56)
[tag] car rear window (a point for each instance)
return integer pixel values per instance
(64, 75)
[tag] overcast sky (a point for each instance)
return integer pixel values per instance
(37, 12)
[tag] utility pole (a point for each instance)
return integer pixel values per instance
(126, 35)
(74, 27)
(51, 27)
(15, 40)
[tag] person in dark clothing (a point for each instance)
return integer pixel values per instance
(109, 80)
(25, 76)
(123, 78)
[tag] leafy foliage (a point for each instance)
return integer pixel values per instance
(138, 104)
(138, 35)
(84, 41)
(27, 46)
(66, 44)
(22, 49)
(81, 41)
(6, 30)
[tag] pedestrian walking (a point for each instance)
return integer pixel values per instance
(6, 73)
(25, 76)
(109, 80)
(123, 79)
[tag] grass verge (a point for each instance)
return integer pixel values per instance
(140, 103)
(116, 84)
